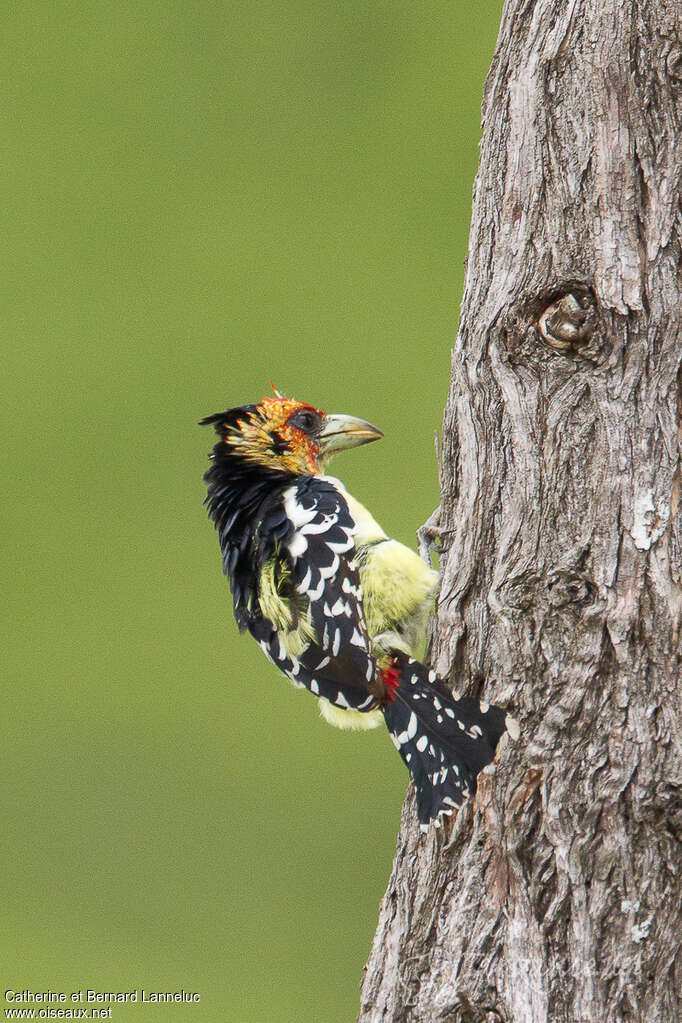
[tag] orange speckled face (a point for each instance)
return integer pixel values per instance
(280, 433)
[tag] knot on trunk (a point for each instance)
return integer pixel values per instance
(569, 322)
(566, 588)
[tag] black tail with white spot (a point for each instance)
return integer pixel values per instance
(444, 742)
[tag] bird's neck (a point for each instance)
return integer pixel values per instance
(236, 489)
(367, 529)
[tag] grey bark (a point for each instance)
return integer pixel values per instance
(555, 896)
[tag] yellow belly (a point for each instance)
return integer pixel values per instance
(399, 590)
(398, 587)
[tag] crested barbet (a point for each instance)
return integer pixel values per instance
(337, 605)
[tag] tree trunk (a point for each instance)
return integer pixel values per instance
(556, 896)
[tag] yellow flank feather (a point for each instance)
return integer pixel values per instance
(272, 605)
(295, 636)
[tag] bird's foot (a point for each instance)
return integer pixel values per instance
(429, 537)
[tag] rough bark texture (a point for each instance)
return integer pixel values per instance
(556, 895)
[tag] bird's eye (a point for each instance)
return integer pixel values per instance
(308, 422)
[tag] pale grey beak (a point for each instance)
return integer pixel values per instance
(341, 432)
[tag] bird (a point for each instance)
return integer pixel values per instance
(334, 602)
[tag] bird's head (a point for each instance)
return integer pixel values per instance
(286, 435)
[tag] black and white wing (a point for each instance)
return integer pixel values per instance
(337, 664)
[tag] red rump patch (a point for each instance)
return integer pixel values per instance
(391, 678)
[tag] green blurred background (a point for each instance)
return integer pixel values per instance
(201, 198)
